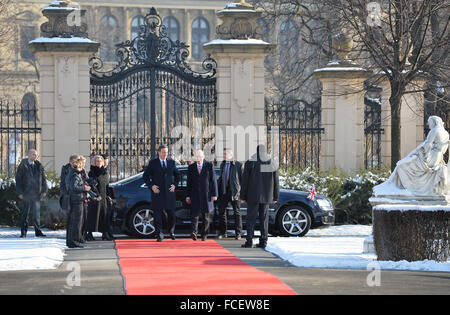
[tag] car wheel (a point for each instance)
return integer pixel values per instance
(293, 221)
(141, 221)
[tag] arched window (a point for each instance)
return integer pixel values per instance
(136, 24)
(29, 108)
(265, 29)
(200, 36)
(172, 28)
(109, 36)
(288, 39)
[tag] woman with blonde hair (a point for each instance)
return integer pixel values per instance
(77, 190)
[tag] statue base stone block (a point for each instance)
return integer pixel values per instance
(411, 232)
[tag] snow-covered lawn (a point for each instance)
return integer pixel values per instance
(31, 253)
(340, 247)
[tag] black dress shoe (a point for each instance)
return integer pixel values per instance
(247, 245)
(262, 245)
(106, 237)
(194, 236)
(74, 245)
(40, 234)
(89, 237)
(159, 239)
(172, 236)
(204, 237)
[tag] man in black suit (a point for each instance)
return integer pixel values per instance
(260, 188)
(31, 186)
(229, 189)
(161, 177)
(201, 193)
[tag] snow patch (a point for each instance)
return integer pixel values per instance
(340, 247)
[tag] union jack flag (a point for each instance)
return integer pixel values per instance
(312, 193)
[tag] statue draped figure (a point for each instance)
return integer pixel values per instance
(423, 172)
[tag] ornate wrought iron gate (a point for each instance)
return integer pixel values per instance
(151, 90)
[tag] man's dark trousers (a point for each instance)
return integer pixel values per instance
(260, 210)
(224, 200)
(205, 226)
(27, 205)
(158, 219)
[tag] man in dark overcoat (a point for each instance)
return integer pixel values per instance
(260, 188)
(161, 177)
(201, 193)
(31, 187)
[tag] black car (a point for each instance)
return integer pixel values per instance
(292, 215)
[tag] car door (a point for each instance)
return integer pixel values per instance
(183, 211)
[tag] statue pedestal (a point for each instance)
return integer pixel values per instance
(411, 228)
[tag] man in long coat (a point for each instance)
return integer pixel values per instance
(31, 186)
(161, 177)
(260, 187)
(201, 193)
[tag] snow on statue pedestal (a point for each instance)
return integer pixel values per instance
(411, 210)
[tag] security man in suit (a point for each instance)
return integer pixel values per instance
(229, 192)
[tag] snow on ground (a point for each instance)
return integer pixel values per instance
(340, 247)
(31, 253)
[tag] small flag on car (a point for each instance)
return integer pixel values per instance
(312, 193)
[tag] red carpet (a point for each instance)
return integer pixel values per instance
(186, 267)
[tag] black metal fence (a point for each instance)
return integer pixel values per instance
(299, 127)
(372, 131)
(19, 131)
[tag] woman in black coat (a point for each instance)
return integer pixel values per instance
(97, 219)
(77, 190)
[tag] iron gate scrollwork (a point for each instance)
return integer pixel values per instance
(151, 90)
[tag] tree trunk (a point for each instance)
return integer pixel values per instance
(395, 102)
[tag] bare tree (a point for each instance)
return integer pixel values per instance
(7, 30)
(402, 39)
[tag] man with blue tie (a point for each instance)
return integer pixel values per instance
(161, 177)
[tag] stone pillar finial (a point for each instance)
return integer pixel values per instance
(239, 22)
(342, 44)
(64, 20)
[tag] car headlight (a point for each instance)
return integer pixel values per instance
(325, 204)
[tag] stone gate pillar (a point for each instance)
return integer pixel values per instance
(63, 52)
(342, 110)
(239, 53)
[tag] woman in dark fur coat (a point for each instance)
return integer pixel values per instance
(97, 213)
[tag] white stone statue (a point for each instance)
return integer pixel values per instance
(423, 172)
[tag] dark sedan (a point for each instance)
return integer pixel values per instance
(292, 215)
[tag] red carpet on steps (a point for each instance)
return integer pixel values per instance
(187, 267)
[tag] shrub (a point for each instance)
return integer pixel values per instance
(52, 216)
(349, 194)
